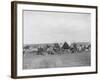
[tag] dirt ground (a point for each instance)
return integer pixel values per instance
(31, 61)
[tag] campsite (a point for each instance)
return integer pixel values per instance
(56, 55)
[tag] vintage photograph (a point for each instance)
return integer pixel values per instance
(55, 39)
(51, 39)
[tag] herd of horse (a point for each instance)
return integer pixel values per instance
(57, 49)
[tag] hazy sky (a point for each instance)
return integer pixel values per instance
(50, 27)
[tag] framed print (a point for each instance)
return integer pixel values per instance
(50, 39)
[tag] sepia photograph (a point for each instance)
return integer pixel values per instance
(56, 39)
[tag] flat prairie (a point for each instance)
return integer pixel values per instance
(31, 61)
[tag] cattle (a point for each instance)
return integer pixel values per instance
(57, 49)
(50, 51)
(40, 51)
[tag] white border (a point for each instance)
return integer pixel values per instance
(21, 72)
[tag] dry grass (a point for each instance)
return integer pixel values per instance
(54, 61)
